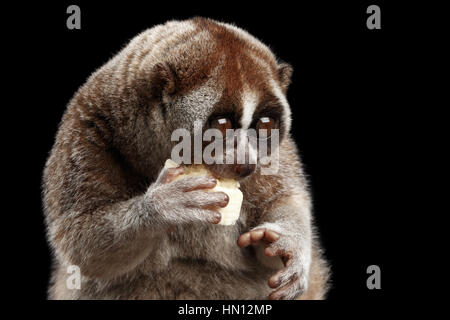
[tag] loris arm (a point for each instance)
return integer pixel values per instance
(285, 231)
(97, 223)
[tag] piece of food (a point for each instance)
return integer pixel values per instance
(231, 212)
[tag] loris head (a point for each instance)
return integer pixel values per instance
(215, 74)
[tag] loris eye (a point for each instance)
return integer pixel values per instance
(266, 123)
(221, 124)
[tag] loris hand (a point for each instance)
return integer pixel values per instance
(293, 279)
(185, 200)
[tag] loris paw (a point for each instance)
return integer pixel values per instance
(185, 200)
(291, 281)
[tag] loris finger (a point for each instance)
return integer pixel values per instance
(275, 280)
(251, 237)
(203, 215)
(271, 236)
(257, 236)
(273, 251)
(204, 199)
(285, 290)
(197, 183)
(215, 216)
(170, 174)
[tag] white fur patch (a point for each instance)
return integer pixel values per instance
(249, 103)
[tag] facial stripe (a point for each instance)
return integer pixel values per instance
(249, 103)
(282, 98)
(276, 91)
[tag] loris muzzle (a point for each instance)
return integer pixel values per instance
(137, 232)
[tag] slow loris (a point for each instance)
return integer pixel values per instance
(134, 231)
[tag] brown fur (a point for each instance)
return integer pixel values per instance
(100, 181)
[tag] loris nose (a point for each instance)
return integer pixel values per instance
(244, 170)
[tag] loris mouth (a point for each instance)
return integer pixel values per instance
(231, 171)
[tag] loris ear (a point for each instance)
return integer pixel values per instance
(284, 73)
(162, 80)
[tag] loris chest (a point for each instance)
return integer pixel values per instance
(211, 242)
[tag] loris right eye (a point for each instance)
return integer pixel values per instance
(268, 124)
(222, 124)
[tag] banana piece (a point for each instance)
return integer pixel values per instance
(231, 212)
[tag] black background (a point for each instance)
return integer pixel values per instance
(345, 96)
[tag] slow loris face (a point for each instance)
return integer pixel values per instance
(227, 81)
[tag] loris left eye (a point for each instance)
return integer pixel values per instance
(221, 124)
(266, 123)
